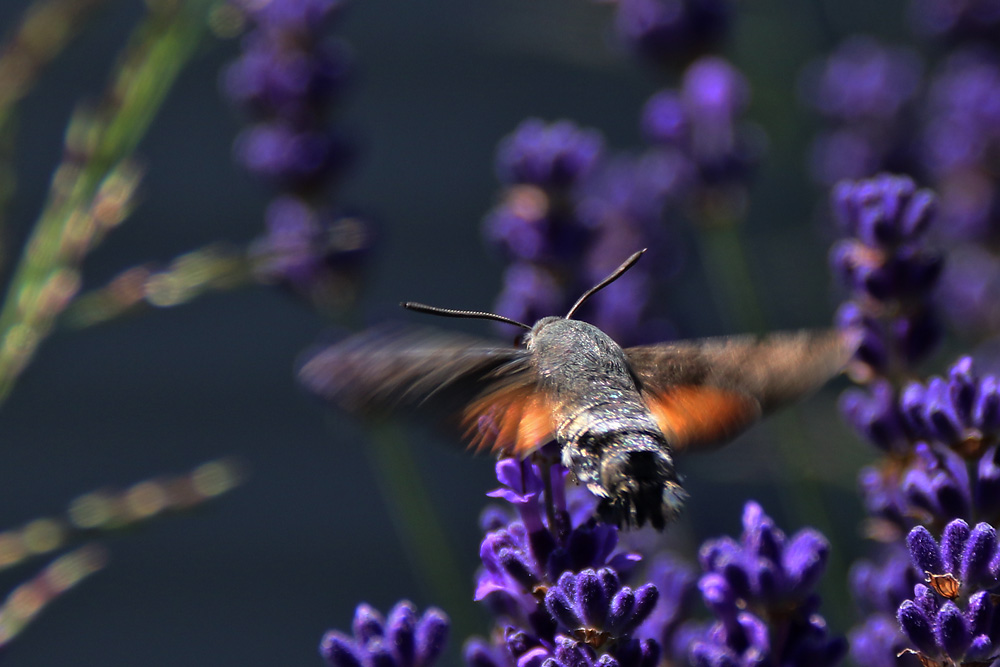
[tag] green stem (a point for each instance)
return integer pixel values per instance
(98, 145)
(416, 522)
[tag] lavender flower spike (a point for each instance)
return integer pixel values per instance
(593, 606)
(403, 640)
(760, 589)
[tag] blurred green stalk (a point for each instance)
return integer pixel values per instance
(92, 190)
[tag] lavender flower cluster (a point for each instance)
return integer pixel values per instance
(938, 436)
(287, 79)
(888, 111)
(565, 595)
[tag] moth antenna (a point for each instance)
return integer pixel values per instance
(615, 275)
(471, 314)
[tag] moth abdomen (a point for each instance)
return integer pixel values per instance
(620, 454)
(638, 477)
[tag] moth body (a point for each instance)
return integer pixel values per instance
(607, 434)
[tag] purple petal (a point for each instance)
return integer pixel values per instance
(924, 551)
(917, 627)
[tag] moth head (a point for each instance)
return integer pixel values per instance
(641, 486)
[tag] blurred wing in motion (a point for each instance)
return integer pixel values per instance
(707, 391)
(487, 390)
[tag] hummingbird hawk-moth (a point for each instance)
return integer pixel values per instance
(619, 415)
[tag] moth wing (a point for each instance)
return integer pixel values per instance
(707, 391)
(488, 391)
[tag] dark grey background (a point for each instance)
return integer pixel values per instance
(256, 578)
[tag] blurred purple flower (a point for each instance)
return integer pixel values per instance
(961, 137)
(888, 270)
(286, 79)
(880, 587)
(879, 641)
(866, 92)
(703, 121)
(549, 155)
(671, 31)
(762, 587)
(862, 80)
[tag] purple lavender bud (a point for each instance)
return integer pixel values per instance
(592, 599)
(630, 609)
(977, 558)
(401, 629)
(741, 644)
(559, 602)
(981, 651)
(717, 593)
(917, 627)
(431, 637)
(804, 560)
(940, 414)
(924, 551)
(714, 555)
(980, 613)
(986, 407)
(338, 650)
(519, 643)
(926, 600)
(962, 384)
(951, 630)
(536, 657)
(555, 155)
(569, 653)
(953, 542)
(368, 623)
(714, 93)
(761, 537)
